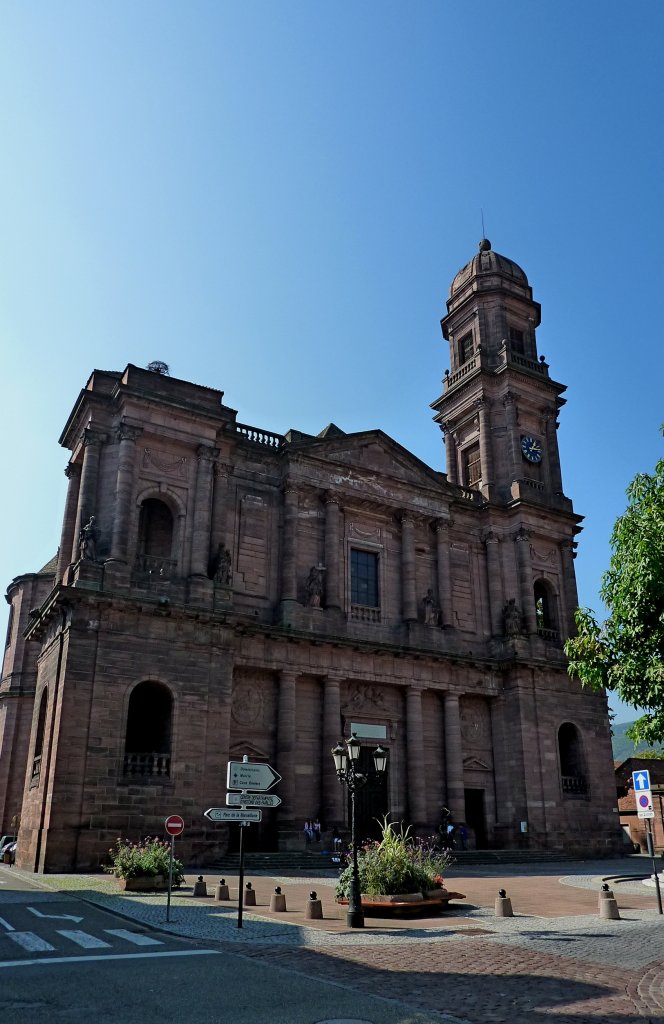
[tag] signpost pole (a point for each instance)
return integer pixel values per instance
(651, 851)
(170, 879)
(240, 895)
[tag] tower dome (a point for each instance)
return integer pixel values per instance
(483, 270)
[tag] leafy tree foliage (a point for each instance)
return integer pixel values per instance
(625, 653)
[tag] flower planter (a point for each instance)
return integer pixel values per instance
(143, 883)
(437, 894)
(404, 897)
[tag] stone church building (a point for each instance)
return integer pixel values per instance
(223, 590)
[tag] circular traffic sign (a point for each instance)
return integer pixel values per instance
(174, 825)
(644, 801)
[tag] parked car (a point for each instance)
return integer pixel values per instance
(7, 849)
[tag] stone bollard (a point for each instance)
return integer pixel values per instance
(249, 896)
(503, 905)
(314, 908)
(278, 900)
(221, 891)
(200, 888)
(608, 905)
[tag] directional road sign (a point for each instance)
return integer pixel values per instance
(251, 775)
(226, 814)
(252, 800)
(174, 825)
(641, 780)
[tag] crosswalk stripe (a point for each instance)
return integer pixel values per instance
(30, 941)
(135, 937)
(84, 940)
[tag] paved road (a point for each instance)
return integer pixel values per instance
(66, 960)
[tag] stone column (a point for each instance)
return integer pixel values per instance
(286, 732)
(417, 776)
(200, 540)
(124, 490)
(524, 566)
(553, 455)
(454, 759)
(87, 499)
(333, 791)
(443, 565)
(567, 555)
(492, 544)
(486, 454)
(409, 599)
(220, 506)
(73, 474)
(514, 470)
(289, 545)
(451, 454)
(333, 574)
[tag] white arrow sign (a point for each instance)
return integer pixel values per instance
(222, 814)
(56, 917)
(251, 775)
(252, 800)
(641, 779)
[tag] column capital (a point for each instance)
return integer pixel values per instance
(72, 469)
(483, 403)
(207, 453)
(407, 519)
(443, 525)
(522, 535)
(288, 675)
(125, 432)
(509, 398)
(491, 537)
(91, 435)
(331, 498)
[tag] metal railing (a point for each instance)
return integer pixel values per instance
(574, 785)
(147, 765)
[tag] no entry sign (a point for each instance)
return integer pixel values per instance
(174, 825)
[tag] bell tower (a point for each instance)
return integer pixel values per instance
(499, 407)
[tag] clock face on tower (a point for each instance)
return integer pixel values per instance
(531, 449)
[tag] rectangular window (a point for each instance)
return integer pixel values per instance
(517, 341)
(466, 348)
(473, 465)
(364, 578)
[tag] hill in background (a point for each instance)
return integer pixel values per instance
(624, 748)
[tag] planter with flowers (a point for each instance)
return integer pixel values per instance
(144, 866)
(398, 871)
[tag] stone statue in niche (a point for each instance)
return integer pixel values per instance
(87, 541)
(431, 609)
(315, 586)
(220, 567)
(512, 617)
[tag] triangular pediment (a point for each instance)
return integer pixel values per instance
(370, 454)
(475, 764)
(238, 750)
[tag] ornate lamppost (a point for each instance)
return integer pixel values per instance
(346, 763)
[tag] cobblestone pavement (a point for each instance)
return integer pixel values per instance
(555, 960)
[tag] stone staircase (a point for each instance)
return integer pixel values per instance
(315, 862)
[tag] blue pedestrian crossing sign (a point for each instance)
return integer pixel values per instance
(641, 780)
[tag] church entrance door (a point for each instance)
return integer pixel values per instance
(475, 816)
(370, 802)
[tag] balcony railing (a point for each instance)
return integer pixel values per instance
(362, 613)
(147, 766)
(152, 569)
(551, 635)
(574, 785)
(258, 436)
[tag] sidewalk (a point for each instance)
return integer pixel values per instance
(555, 959)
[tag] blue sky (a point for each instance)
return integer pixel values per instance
(274, 197)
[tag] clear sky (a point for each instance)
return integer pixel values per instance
(274, 197)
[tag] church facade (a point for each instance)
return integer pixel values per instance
(223, 590)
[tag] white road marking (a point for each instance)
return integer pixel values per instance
(6, 925)
(55, 917)
(108, 956)
(135, 937)
(84, 940)
(31, 942)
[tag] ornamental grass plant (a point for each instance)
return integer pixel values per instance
(146, 859)
(396, 864)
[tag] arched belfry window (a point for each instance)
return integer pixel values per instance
(572, 761)
(545, 610)
(39, 739)
(149, 729)
(155, 538)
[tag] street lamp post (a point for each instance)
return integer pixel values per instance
(346, 763)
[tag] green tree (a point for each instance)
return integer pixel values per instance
(625, 653)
